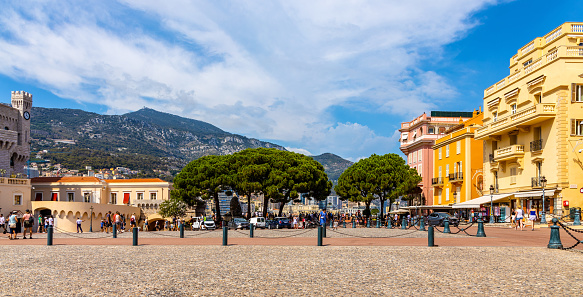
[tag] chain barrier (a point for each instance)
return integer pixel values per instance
(71, 234)
(298, 233)
(355, 236)
(569, 230)
(464, 229)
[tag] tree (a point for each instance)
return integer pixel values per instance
(252, 167)
(204, 178)
(383, 177)
(236, 207)
(172, 208)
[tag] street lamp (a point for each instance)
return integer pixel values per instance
(543, 183)
(491, 204)
(91, 220)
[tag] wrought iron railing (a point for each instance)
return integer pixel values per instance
(536, 145)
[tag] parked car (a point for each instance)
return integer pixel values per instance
(209, 224)
(282, 222)
(258, 222)
(437, 218)
(270, 224)
(238, 223)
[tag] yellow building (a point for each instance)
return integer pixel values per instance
(533, 124)
(458, 163)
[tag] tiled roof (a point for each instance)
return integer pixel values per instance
(135, 180)
(66, 179)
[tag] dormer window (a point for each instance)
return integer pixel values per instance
(494, 116)
(513, 109)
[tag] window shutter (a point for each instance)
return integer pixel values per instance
(573, 93)
(573, 127)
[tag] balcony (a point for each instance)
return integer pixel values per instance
(509, 153)
(535, 182)
(525, 117)
(437, 181)
(456, 177)
(536, 146)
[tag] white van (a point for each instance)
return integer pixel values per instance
(258, 222)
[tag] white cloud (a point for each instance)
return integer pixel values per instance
(299, 151)
(268, 70)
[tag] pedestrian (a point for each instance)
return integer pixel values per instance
(108, 223)
(40, 224)
(335, 226)
(133, 220)
(117, 221)
(46, 219)
(532, 216)
(323, 218)
(295, 222)
(519, 216)
(28, 222)
(145, 228)
(102, 225)
(12, 220)
(513, 219)
(79, 221)
(3, 222)
(51, 222)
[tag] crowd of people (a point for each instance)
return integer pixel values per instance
(13, 225)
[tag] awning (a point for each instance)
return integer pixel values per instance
(475, 203)
(405, 134)
(428, 207)
(539, 193)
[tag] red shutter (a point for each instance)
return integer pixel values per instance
(126, 198)
(38, 197)
(55, 197)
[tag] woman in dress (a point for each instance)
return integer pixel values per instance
(532, 216)
(519, 216)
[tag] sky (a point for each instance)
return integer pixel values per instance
(313, 76)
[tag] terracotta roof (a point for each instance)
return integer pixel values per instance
(135, 180)
(66, 179)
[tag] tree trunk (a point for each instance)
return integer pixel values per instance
(265, 201)
(281, 205)
(382, 210)
(248, 206)
(217, 207)
(367, 209)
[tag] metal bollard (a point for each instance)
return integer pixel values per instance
(181, 230)
(555, 240)
(319, 235)
(422, 224)
(135, 240)
(50, 235)
(446, 226)
(251, 228)
(481, 232)
(114, 230)
(430, 238)
(403, 224)
(353, 223)
(344, 224)
(389, 225)
(225, 234)
(577, 219)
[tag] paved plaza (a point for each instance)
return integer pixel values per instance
(368, 262)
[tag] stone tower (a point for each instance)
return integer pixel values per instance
(15, 133)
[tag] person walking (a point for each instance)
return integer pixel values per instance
(323, 218)
(3, 223)
(519, 217)
(12, 221)
(28, 222)
(79, 228)
(40, 224)
(532, 216)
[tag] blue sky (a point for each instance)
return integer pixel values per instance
(314, 76)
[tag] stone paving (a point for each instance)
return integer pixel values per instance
(169, 270)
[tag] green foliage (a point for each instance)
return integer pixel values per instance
(172, 207)
(374, 211)
(383, 177)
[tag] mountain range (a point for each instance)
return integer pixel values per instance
(156, 143)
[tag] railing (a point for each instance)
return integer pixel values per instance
(552, 36)
(437, 181)
(457, 176)
(577, 28)
(533, 66)
(536, 145)
(451, 176)
(552, 56)
(509, 151)
(527, 49)
(14, 181)
(500, 84)
(535, 182)
(514, 76)
(575, 51)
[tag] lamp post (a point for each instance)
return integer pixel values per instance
(91, 220)
(491, 204)
(543, 183)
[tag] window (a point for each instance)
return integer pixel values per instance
(438, 196)
(140, 196)
(71, 197)
(54, 196)
(87, 197)
(431, 130)
(419, 156)
(113, 198)
(439, 153)
(153, 195)
(513, 175)
(527, 63)
(38, 196)
(458, 147)
(513, 109)
(447, 151)
(414, 157)
(494, 116)
(419, 170)
(439, 172)
(537, 98)
(447, 170)
(513, 139)
(577, 93)
(577, 127)
(17, 199)
(446, 194)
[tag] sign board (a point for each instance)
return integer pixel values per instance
(581, 190)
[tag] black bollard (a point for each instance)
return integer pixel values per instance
(368, 223)
(378, 223)
(135, 233)
(114, 230)
(555, 240)
(181, 230)
(481, 232)
(353, 223)
(319, 235)
(225, 234)
(344, 224)
(403, 223)
(577, 219)
(446, 226)
(422, 224)
(430, 239)
(389, 225)
(251, 227)
(50, 235)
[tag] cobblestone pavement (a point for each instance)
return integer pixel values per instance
(287, 270)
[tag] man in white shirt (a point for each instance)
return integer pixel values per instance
(79, 221)
(3, 222)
